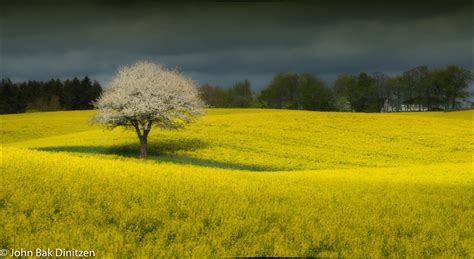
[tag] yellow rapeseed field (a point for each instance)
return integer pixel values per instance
(242, 182)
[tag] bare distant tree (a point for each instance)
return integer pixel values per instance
(146, 95)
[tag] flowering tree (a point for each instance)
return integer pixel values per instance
(146, 95)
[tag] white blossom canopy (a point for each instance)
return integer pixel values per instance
(147, 94)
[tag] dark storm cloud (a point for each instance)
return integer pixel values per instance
(223, 42)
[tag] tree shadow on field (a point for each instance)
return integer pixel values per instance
(160, 151)
(155, 148)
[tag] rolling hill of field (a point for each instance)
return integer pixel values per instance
(242, 182)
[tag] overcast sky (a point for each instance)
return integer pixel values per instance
(219, 43)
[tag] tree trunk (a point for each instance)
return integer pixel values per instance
(143, 146)
(142, 136)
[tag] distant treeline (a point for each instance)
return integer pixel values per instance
(417, 89)
(52, 95)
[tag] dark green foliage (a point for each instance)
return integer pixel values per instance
(312, 94)
(281, 92)
(451, 85)
(362, 93)
(44, 104)
(344, 89)
(213, 96)
(10, 97)
(49, 95)
(293, 91)
(417, 89)
(239, 96)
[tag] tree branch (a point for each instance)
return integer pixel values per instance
(137, 128)
(148, 128)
